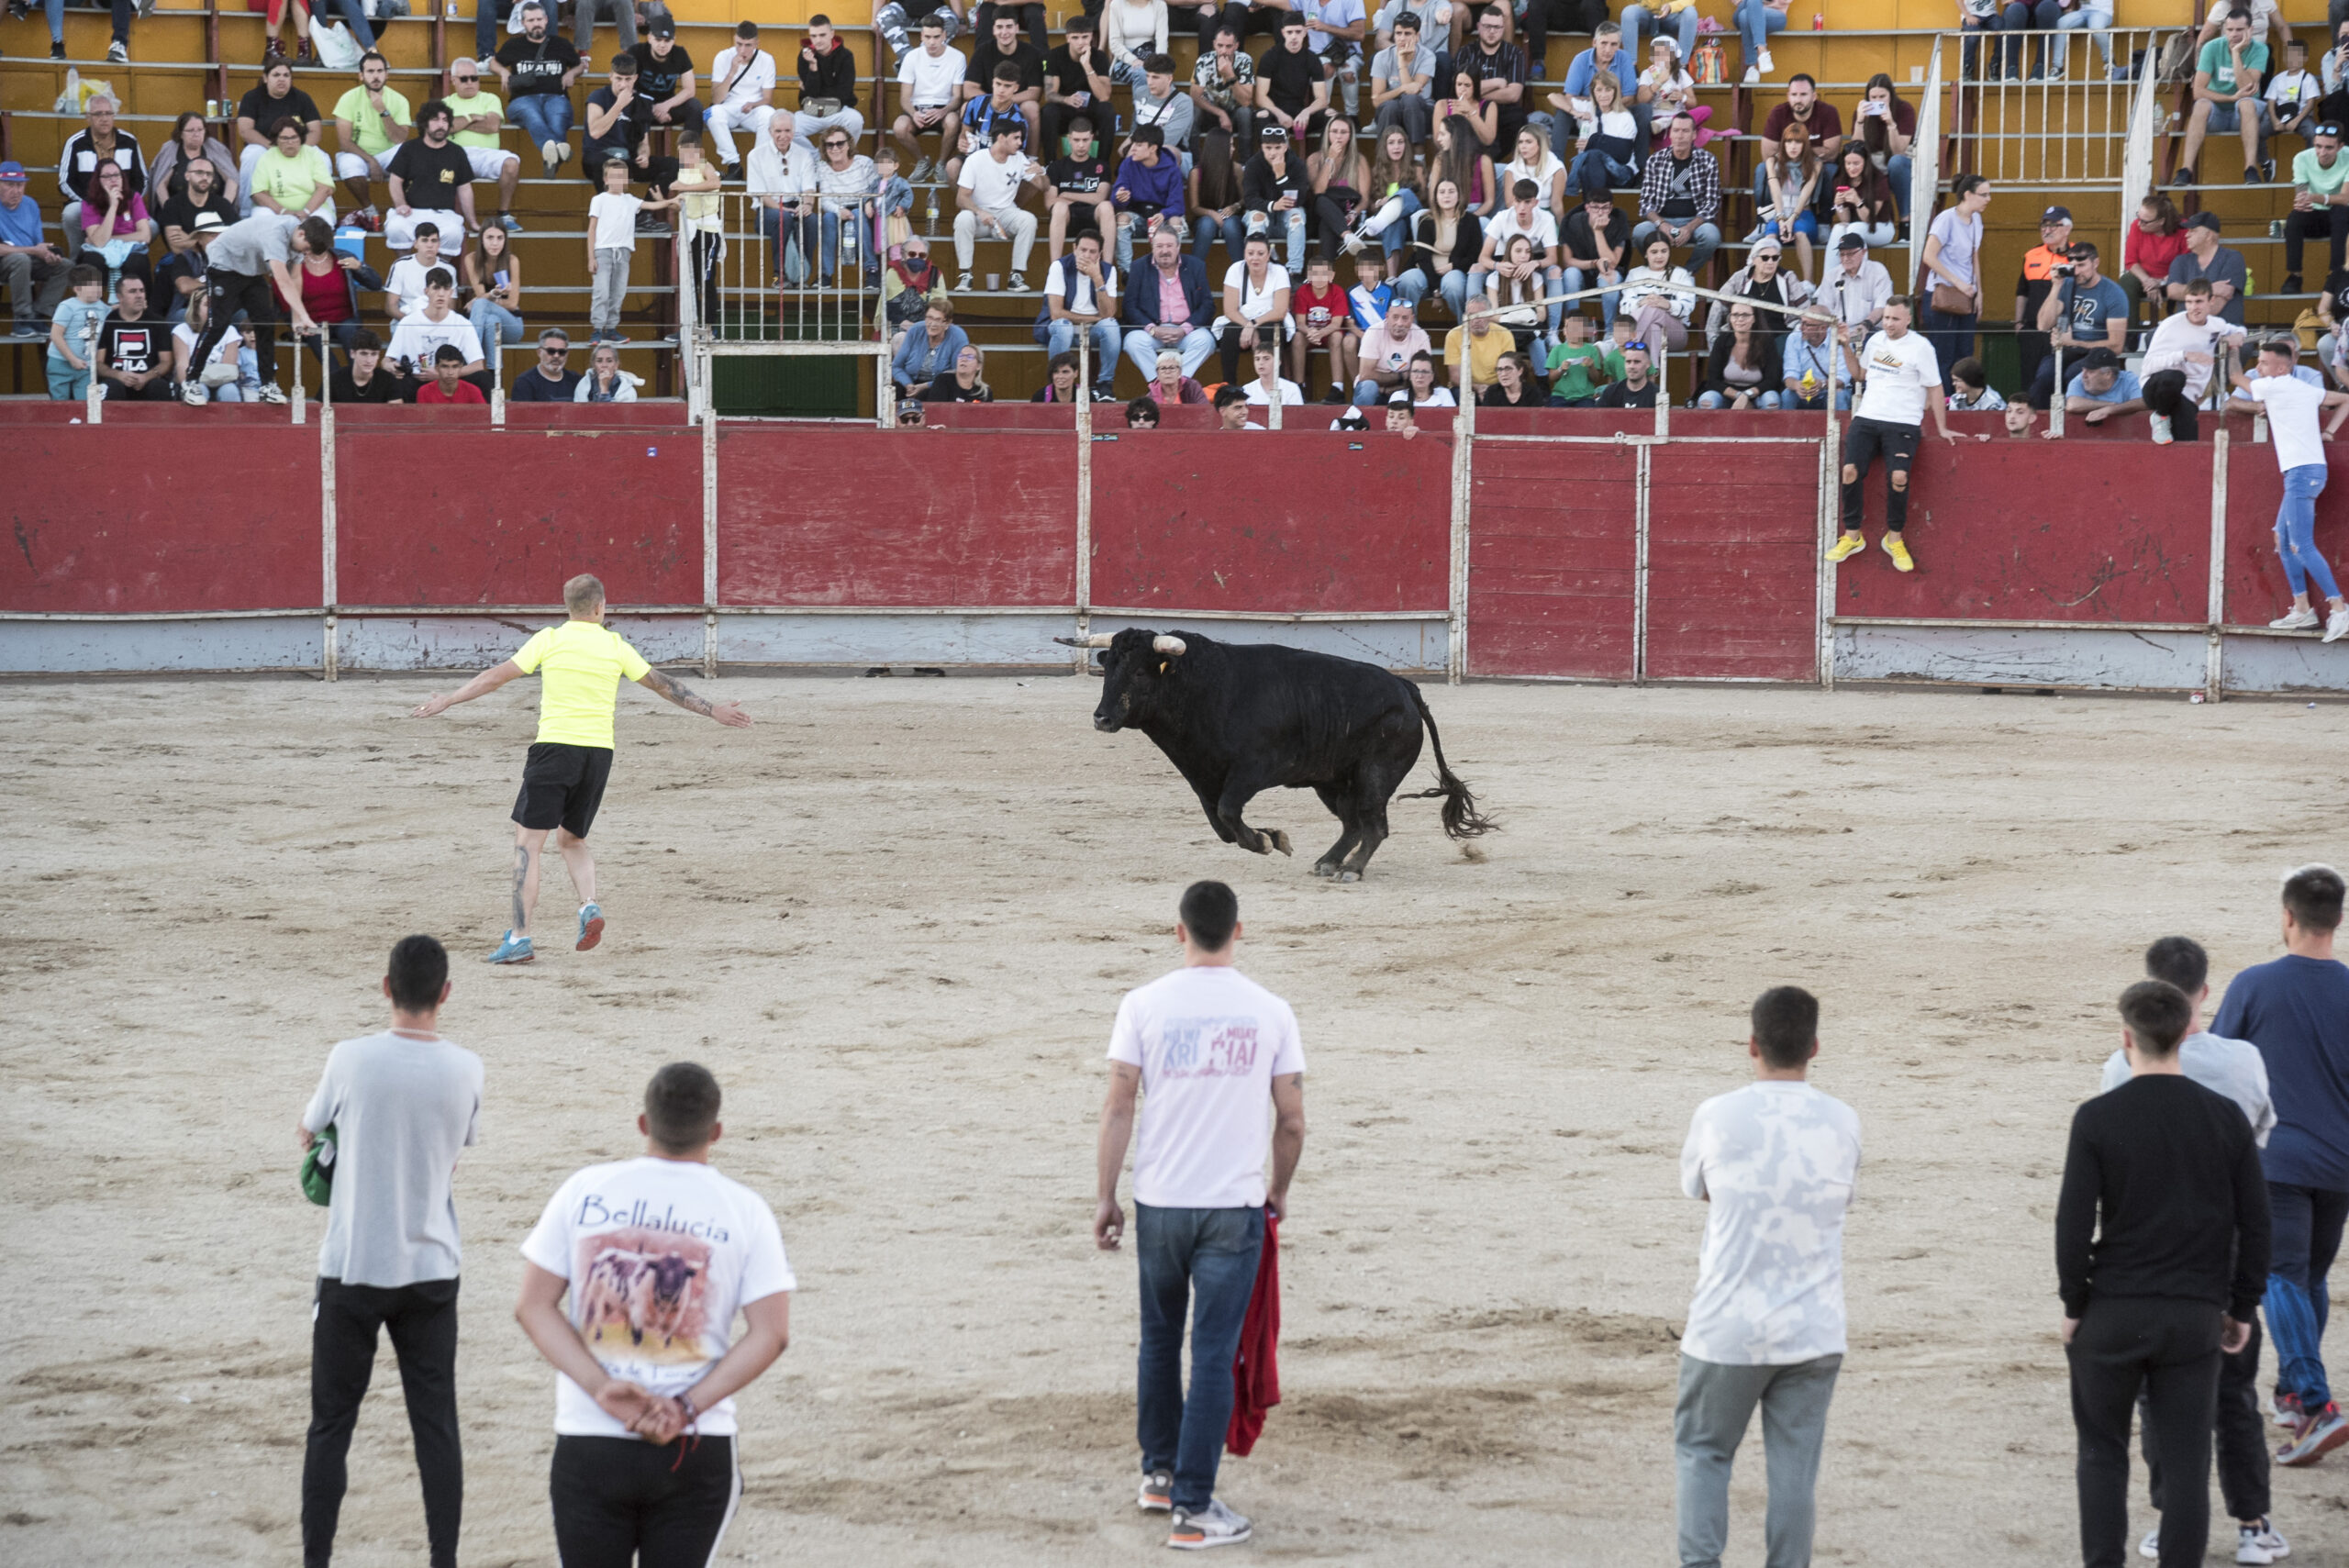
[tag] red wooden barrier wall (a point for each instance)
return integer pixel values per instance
(104, 521)
(2256, 589)
(1289, 524)
(1732, 564)
(1553, 547)
(814, 514)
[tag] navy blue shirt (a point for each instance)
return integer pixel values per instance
(2296, 1010)
(2087, 309)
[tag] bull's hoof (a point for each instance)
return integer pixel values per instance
(1325, 868)
(1349, 876)
(1280, 841)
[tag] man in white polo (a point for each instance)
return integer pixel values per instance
(1218, 1058)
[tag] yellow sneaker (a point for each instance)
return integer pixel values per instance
(1845, 548)
(1899, 554)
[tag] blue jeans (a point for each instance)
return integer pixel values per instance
(122, 9)
(1702, 244)
(803, 229)
(1952, 337)
(487, 15)
(546, 116)
(1896, 170)
(1060, 337)
(2296, 542)
(1272, 223)
(1715, 400)
(1639, 19)
(2017, 17)
(2306, 1224)
(1413, 286)
(1207, 229)
(355, 12)
(1594, 171)
(1574, 280)
(1755, 23)
(2100, 24)
(488, 313)
(1202, 1260)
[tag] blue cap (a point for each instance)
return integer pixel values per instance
(12, 169)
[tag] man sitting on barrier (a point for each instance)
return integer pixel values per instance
(1168, 308)
(2179, 361)
(1899, 377)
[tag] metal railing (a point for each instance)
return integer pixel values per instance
(809, 272)
(2042, 110)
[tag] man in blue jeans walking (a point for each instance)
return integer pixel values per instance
(2296, 1010)
(1218, 1059)
(2292, 406)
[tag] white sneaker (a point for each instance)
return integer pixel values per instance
(194, 396)
(2293, 620)
(1768, 65)
(1214, 1525)
(2152, 1545)
(272, 393)
(2251, 1549)
(2161, 437)
(1752, 76)
(2266, 1537)
(2337, 625)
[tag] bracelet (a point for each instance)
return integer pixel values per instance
(692, 1412)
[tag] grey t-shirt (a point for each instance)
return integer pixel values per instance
(2226, 267)
(1386, 70)
(1171, 114)
(250, 247)
(402, 1109)
(2231, 1067)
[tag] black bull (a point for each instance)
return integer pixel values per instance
(1239, 719)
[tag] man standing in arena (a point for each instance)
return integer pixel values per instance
(580, 665)
(2296, 1010)
(402, 1105)
(1777, 1161)
(1218, 1059)
(2160, 1254)
(657, 1254)
(2233, 1068)
(1899, 377)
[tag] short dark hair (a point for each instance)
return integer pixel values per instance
(448, 354)
(1065, 360)
(418, 970)
(424, 231)
(82, 275)
(1409, 20)
(365, 338)
(317, 235)
(2312, 896)
(1228, 30)
(1969, 371)
(1079, 26)
(2181, 962)
(1524, 191)
(375, 54)
(746, 28)
(623, 65)
(285, 123)
(2155, 1013)
(1805, 78)
(2082, 250)
(1159, 65)
(680, 1107)
(1226, 396)
(438, 278)
(1081, 123)
(1149, 136)
(1140, 410)
(1211, 910)
(1004, 71)
(1785, 1025)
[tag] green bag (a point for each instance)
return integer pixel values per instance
(317, 1169)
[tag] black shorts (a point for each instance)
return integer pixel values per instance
(622, 1503)
(562, 787)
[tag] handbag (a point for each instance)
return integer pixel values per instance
(1709, 69)
(1948, 301)
(821, 108)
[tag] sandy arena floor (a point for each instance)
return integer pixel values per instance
(895, 919)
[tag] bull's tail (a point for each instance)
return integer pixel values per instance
(1461, 818)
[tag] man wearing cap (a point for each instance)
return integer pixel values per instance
(1856, 289)
(27, 261)
(2084, 311)
(2041, 272)
(245, 264)
(2104, 389)
(664, 74)
(2208, 261)
(2320, 203)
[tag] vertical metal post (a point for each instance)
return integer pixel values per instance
(1639, 567)
(498, 371)
(2055, 404)
(93, 396)
(1463, 487)
(2214, 670)
(301, 397)
(1083, 496)
(709, 532)
(1831, 475)
(327, 571)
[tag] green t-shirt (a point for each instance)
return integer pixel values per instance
(1570, 369)
(2324, 181)
(2220, 64)
(464, 109)
(364, 122)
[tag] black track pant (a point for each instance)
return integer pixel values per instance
(344, 1324)
(2164, 394)
(1866, 442)
(2241, 1432)
(622, 1503)
(2169, 1349)
(230, 293)
(2330, 224)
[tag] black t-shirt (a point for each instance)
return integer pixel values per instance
(1072, 178)
(179, 212)
(381, 387)
(2337, 287)
(265, 111)
(658, 79)
(1497, 396)
(430, 175)
(1068, 78)
(1577, 238)
(532, 387)
(1620, 394)
(134, 347)
(1292, 77)
(1025, 57)
(1504, 64)
(946, 389)
(633, 126)
(537, 67)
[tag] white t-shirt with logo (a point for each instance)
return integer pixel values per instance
(1504, 228)
(660, 1254)
(1209, 1041)
(994, 186)
(1778, 1160)
(929, 80)
(2293, 407)
(1899, 370)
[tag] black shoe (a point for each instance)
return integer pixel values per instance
(2291, 282)
(2183, 178)
(2252, 175)
(57, 50)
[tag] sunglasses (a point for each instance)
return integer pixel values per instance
(832, 146)
(1635, 343)
(462, 80)
(556, 354)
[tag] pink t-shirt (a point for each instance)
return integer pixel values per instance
(1173, 308)
(125, 219)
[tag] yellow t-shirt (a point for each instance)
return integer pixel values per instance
(580, 666)
(1484, 354)
(291, 182)
(366, 126)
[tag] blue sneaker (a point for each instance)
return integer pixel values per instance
(512, 950)
(591, 926)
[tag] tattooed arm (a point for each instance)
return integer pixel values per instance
(481, 686)
(728, 714)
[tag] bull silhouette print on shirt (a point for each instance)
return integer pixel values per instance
(642, 1294)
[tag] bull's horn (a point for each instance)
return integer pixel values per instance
(1098, 639)
(1166, 645)
(1101, 639)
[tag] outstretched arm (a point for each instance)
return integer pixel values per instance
(726, 713)
(481, 686)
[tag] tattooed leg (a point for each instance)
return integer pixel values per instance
(578, 861)
(530, 849)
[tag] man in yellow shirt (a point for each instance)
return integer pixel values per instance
(371, 119)
(1483, 343)
(580, 665)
